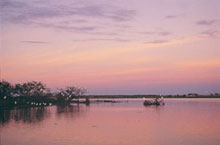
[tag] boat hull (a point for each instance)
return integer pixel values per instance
(156, 103)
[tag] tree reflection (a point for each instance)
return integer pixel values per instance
(25, 115)
(4, 116)
(38, 114)
(70, 111)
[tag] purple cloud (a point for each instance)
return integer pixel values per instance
(69, 28)
(148, 33)
(211, 33)
(103, 39)
(157, 42)
(171, 16)
(79, 17)
(174, 16)
(103, 33)
(30, 12)
(206, 22)
(164, 33)
(10, 4)
(159, 33)
(35, 42)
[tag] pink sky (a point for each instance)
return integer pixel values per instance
(113, 47)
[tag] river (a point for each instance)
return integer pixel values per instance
(128, 122)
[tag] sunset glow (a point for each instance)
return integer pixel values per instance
(113, 47)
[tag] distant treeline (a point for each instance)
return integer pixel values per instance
(191, 95)
(36, 94)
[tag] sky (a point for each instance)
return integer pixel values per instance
(113, 46)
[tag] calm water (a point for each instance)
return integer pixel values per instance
(179, 122)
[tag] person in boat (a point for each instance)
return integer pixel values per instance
(157, 100)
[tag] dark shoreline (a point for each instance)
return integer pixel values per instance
(102, 99)
(150, 96)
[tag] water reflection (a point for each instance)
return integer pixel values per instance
(24, 115)
(182, 122)
(38, 114)
(70, 111)
(4, 116)
(154, 109)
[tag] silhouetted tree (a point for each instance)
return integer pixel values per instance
(69, 93)
(31, 89)
(5, 90)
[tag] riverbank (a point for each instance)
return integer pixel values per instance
(49, 101)
(152, 96)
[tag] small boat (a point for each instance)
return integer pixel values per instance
(156, 101)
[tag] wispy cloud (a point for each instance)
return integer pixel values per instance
(159, 33)
(103, 39)
(163, 42)
(171, 16)
(35, 42)
(164, 33)
(148, 32)
(157, 42)
(210, 33)
(104, 33)
(68, 28)
(206, 22)
(67, 14)
(10, 4)
(174, 16)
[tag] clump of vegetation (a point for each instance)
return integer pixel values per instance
(69, 93)
(36, 94)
